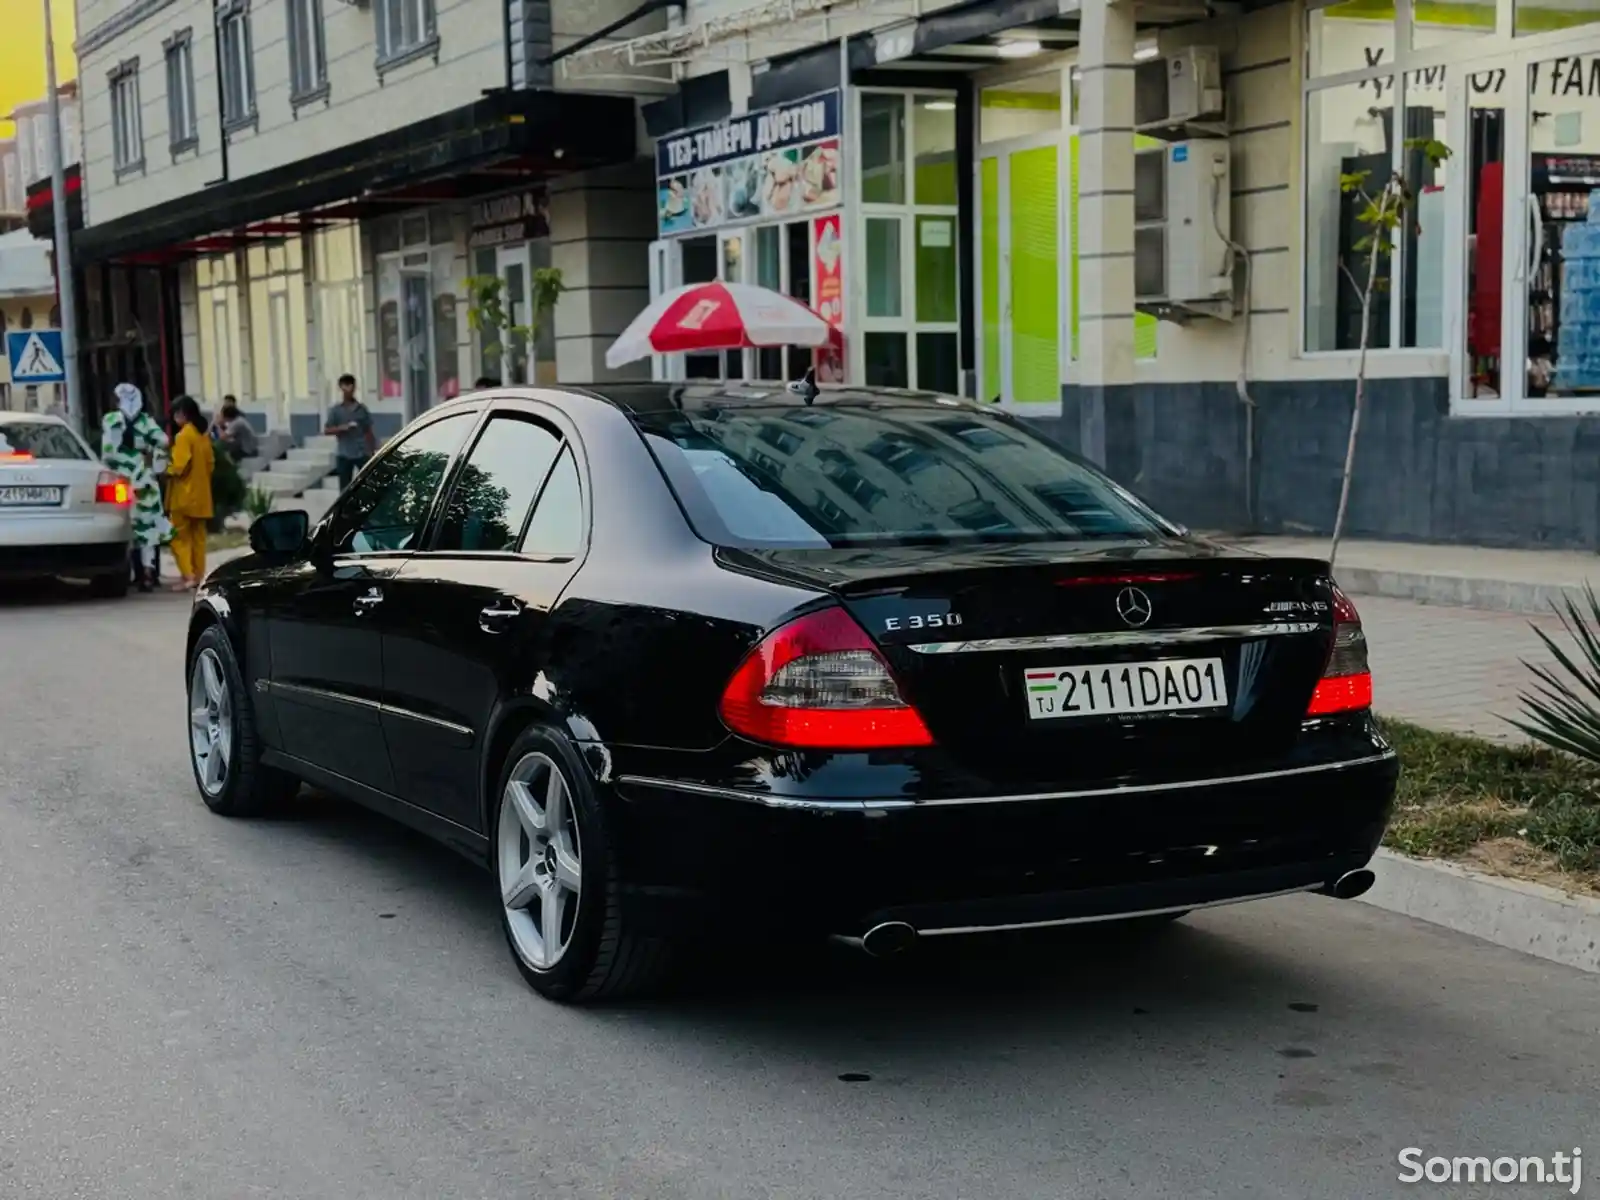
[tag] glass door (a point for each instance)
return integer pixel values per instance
(416, 297)
(666, 273)
(1019, 186)
(731, 250)
(512, 268)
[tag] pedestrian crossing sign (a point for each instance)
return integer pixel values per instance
(36, 356)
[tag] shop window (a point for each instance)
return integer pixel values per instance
(883, 267)
(1547, 16)
(910, 335)
(936, 268)
(769, 274)
(1020, 108)
(883, 148)
(934, 170)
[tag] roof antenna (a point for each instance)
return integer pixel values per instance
(806, 387)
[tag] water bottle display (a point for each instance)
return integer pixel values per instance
(1576, 276)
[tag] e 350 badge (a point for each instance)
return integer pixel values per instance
(922, 621)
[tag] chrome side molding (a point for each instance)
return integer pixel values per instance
(1114, 638)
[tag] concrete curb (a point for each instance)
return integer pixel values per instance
(1529, 917)
(1459, 591)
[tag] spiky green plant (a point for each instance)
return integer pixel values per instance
(1563, 710)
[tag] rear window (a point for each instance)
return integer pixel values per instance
(835, 477)
(40, 439)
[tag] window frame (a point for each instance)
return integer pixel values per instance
(236, 58)
(553, 419)
(183, 119)
(909, 213)
(325, 532)
(127, 119)
(1490, 49)
(307, 42)
(522, 416)
(389, 21)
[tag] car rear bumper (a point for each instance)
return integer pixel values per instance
(82, 558)
(691, 854)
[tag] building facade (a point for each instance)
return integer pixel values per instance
(274, 194)
(1002, 198)
(27, 302)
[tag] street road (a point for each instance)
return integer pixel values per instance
(321, 1006)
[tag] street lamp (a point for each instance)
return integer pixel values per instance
(65, 292)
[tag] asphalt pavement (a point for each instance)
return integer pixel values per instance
(320, 1005)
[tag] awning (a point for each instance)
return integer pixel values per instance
(490, 144)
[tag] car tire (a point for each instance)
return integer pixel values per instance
(222, 720)
(111, 586)
(594, 956)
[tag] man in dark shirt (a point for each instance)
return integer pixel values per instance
(351, 423)
(234, 431)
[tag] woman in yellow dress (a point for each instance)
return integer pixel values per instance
(189, 492)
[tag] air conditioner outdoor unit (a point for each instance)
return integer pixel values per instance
(1181, 208)
(1178, 88)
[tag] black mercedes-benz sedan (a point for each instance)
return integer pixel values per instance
(879, 665)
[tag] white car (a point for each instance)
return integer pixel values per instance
(61, 511)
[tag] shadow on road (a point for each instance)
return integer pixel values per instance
(961, 995)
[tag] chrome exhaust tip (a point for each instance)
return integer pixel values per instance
(1351, 884)
(888, 939)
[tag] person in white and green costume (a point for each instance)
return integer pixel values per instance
(133, 444)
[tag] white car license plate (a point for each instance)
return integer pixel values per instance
(29, 497)
(1112, 689)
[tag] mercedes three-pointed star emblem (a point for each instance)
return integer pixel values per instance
(1133, 606)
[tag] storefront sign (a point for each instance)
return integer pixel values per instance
(504, 220)
(766, 164)
(1570, 76)
(827, 237)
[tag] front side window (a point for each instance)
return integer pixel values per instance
(127, 126)
(915, 475)
(238, 68)
(308, 53)
(405, 27)
(496, 486)
(183, 129)
(386, 509)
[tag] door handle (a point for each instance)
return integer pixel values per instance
(367, 602)
(495, 617)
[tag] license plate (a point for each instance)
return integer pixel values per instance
(1113, 689)
(29, 497)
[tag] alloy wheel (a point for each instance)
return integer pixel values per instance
(539, 862)
(210, 721)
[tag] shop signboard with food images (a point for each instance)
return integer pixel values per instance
(765, 165)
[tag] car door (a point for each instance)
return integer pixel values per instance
(469, 614)
(325, 628)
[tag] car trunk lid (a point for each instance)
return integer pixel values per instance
(1039, 662)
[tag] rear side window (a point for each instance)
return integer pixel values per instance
(496, 485)
(556, 530)
(854, 476)
(40, 439)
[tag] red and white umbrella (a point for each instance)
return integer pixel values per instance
(718, 316)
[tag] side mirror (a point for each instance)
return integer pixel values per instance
(281, 534)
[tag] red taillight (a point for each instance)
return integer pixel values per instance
(818, 683)
(113, 489)
(1346, 683)
(15, 456)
